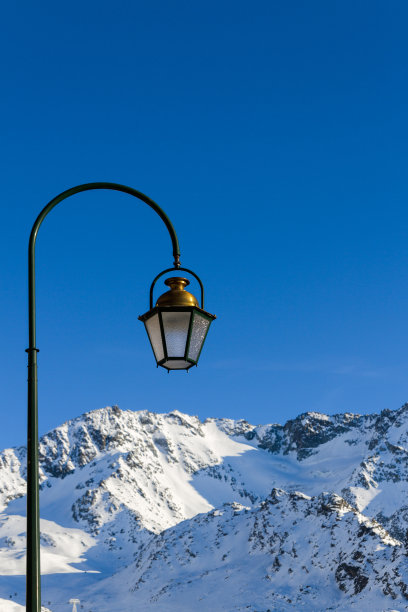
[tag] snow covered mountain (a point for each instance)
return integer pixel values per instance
(145, 511)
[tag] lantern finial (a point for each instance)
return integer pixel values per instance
(177, 296)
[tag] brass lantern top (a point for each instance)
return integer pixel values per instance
(177, 296)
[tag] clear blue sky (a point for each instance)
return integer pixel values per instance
(275, 136)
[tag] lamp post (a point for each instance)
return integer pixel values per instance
(176, 326)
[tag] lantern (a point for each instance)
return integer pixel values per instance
(177, 326)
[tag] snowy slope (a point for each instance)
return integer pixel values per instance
(134, 492)
(291, 552)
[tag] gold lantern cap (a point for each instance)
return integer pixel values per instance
(177, 296)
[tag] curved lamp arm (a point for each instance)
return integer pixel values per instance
(33, 589)
(66, 194)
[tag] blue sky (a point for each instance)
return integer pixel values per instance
(275, 136)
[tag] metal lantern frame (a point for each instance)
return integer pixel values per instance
(194, 311)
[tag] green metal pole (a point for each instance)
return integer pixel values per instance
(33, 575)
(33, 592)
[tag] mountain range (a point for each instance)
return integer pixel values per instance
(162, 512)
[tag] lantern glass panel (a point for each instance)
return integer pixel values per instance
(198, 333)
(153, 329)
(175, 325)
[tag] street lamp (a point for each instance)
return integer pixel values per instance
(176, 327)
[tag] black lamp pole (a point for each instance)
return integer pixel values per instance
(33, 589)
